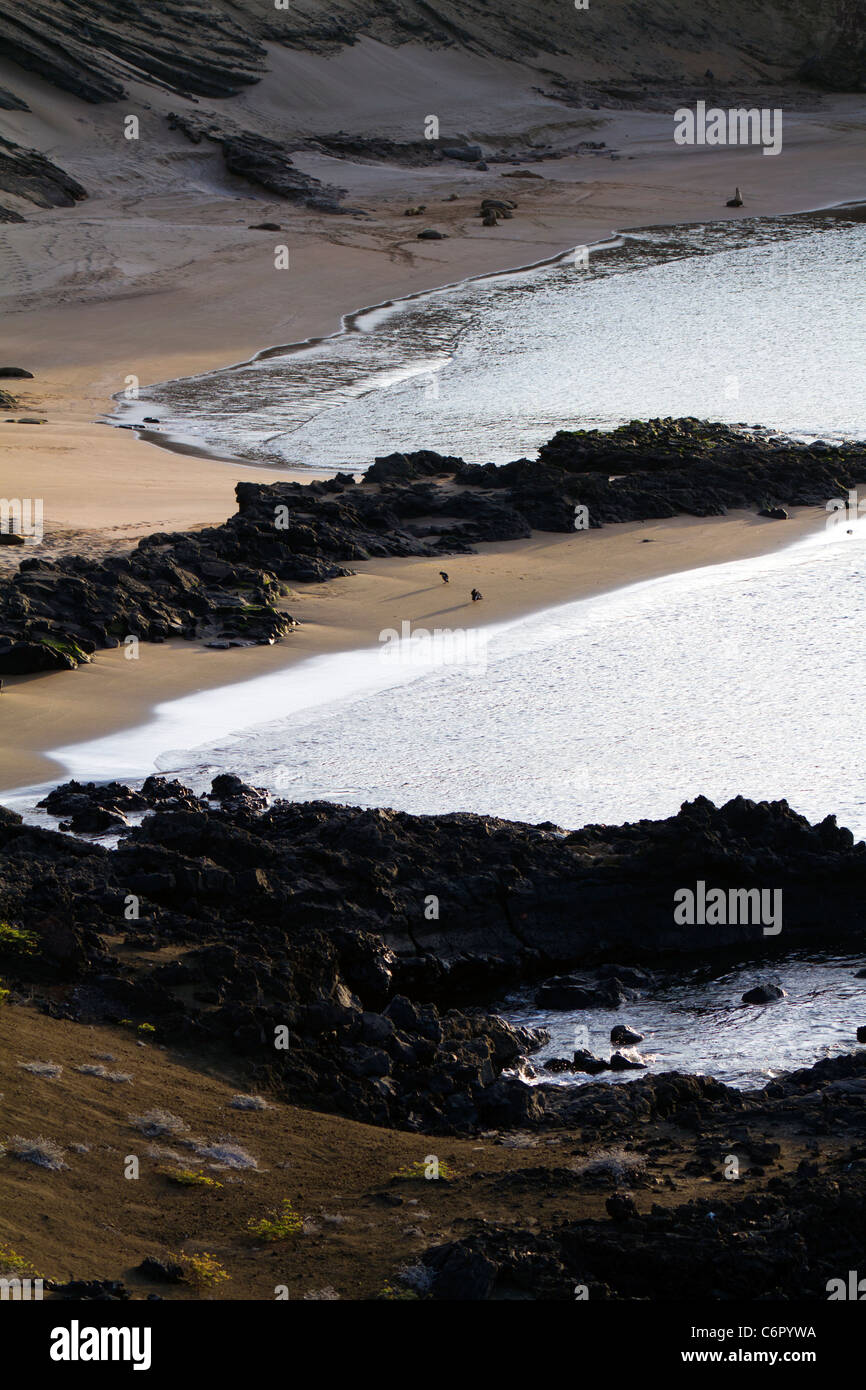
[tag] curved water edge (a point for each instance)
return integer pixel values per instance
(237, 726)
(426, 370)
(364, 320)
(718, 681)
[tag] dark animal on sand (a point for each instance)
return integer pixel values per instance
(736, 201)
(476, 595)
(443, 576)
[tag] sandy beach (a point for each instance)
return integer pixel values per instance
(163, 278)
(527, 963)
(517, 578)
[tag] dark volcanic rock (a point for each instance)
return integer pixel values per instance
(579, 992)
(223, 585)
(763, 994)
(10, 102)
(619, 1062)
(93, 47)
(786, 1243)
(29, 175)
(586, 1062)
(623, 1036)
(308, 919)
(264, 162)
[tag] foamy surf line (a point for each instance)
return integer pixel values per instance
(134, 413)
(181, 733)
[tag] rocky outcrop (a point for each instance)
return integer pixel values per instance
(223, 585)
(29, 175)
(299, 935)
(769, 1235)
(259, 160)
(264, 162)
(93, 48)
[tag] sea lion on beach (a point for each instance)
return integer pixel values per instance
(736, 201)
(443, 576)
(476, 595)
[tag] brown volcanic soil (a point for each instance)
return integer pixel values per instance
(89, 1222)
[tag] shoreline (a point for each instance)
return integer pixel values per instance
(190, 446)
(180, 331)
(348, 324)
(111, 694)
(81, 346)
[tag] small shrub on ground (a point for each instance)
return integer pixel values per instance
(203, 1271)
(418, 1169)
(248, 1103)
(156, 1123)
(14, 1266)
(227, 1154)
(41, 1151)
(15, 941)
(279, 1224)
(96, 1069)
(188, 1177)
(611, 1165)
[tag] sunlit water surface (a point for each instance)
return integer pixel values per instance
(745, 678)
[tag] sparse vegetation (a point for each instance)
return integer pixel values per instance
(227, 1154)
(157, 1123)
(203, 1271)
(45, 1153)
(279, 1224)
(96, 1069)
(14, 1266)
(15, 941)
(49, 1070)
(611, 1165)
(398, 1293)
(248, 1103)
(412, 1171)
(417, 1277)
(188, 1177)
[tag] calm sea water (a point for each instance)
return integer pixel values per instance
(694, 1020)
(758, 322)
(745, 678)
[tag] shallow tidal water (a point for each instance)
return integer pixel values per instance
(758, 322)
(693, 1020)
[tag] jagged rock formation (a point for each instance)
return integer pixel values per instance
(311, 917)
(224, 584)
(785, 1237)
(93, 48)
(29, 175)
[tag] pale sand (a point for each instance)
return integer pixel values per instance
(157, 275)
(516, 578)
